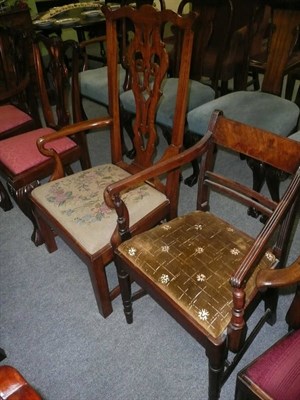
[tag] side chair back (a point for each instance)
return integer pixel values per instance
(18, 105)
(83, 219)
(201, 266)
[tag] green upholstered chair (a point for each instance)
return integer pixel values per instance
(264, 109)
(201, 266)
(275, 374)
(73, 207)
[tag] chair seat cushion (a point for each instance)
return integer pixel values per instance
(180, 259)
(11, 117)
(20, 153)
(198, 95)
(77, 202)
(93, 84)
(277, 371)
(259, 109)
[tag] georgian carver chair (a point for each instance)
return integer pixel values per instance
(21, 163)
(73, 207)
(263, 109)
(201, 266)
(275, 374)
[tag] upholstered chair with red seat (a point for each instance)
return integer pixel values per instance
(275, 374)
(21, 164)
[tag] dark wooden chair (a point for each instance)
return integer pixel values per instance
(264, 109)
(13, 386)
(21, 163)
(18, 105)
(261, 47)
(201, 267)
(82, 219)
(275, 374)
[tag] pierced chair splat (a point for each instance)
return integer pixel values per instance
(201, 267)
(83, 220)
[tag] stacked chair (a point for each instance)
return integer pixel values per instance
(201, 267)
(18, 106)
(265, 108)
(72, 207)
(21, 164)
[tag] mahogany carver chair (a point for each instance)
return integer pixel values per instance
(21, 164)
(201, 266)
(275, 374)
(18, 105)
(73, 207)
(264, 109)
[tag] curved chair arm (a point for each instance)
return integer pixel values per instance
(279, 277)
(69, 130)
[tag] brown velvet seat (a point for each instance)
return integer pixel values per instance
(201, 267)
(275, 374)
(13, 386)
(73, 206)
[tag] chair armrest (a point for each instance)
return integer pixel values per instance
(112, 192)
(279, 277)
(69, 130)
(261, 242)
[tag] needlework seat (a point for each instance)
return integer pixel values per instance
(201, 266)
(77, 203)
(72, 207)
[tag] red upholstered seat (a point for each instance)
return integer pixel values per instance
(11, 117)
(277, 371)
(20, 153)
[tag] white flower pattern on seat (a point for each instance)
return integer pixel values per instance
(169, 255)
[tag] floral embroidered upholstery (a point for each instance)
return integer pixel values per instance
(77, 203)
(20, 153)
(180, 257)
(11, 116)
